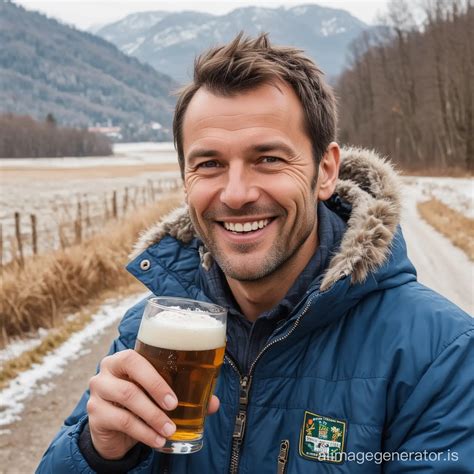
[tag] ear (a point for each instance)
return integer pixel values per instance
(328, 172)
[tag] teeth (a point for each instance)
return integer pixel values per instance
(246, 226)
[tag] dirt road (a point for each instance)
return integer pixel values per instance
(22, 448)
(440, 266)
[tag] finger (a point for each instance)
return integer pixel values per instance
(131, 397)
(129, 364)
(213, 406)
(103, 416)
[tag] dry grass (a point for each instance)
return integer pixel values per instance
(51, 286)
(458, 228)
(60, 334)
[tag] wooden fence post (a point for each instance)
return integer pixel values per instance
(152, 190)
(78, 223)
(34, 234)
(18, 237)
(135, 197)
(88, 216)
(106, 208)
(114, 205)
(125, 201)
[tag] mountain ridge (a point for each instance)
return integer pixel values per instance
(171, 43)
(49, 67)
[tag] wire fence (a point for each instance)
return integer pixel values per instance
(71, 222)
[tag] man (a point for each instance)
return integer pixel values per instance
(334, 350)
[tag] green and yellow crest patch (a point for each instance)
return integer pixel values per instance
(322, 438)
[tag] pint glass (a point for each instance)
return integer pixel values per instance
(185, 341)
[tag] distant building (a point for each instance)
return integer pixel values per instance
(114, 133)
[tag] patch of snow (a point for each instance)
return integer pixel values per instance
(35, 380)
(130, 48)
(456, 193)
(299, 11)
(173, 35)
(143, 20)
(17, 347)
(330, 27)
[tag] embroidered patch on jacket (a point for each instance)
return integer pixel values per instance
(322, 438)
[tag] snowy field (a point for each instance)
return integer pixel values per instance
(125, 154)
(51, 187)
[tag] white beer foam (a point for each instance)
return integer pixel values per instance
(189, 331)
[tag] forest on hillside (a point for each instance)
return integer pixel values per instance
(409, 91)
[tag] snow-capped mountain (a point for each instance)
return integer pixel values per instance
(169, 41)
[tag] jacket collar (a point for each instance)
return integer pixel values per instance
(366, 181)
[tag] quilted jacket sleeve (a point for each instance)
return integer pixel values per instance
(63, 455)
(434, 430)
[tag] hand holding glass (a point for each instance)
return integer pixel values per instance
(185, 341)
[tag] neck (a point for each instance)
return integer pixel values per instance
(255, 297)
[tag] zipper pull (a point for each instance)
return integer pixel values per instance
(283, 456)
(244, 391)
(239, 427)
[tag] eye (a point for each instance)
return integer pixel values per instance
(208, 164)
(270, 159)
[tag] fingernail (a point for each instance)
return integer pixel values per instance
(160, 442)
(170, 402)
(168, 429)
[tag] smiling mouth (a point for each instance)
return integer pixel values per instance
(245, 227)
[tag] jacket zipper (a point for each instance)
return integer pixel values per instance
(245, 382)
(283, 456)
(240, 419)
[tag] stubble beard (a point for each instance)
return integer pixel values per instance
(278, 256)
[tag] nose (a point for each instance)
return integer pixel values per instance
(239, 188)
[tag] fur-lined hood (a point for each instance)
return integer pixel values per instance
(366, 181)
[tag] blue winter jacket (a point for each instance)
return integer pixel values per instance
(371, 373)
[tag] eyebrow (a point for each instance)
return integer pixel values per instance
(273, 146)
(261, 148)
(201, 153)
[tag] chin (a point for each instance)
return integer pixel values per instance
(243, 272)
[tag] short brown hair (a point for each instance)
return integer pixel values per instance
(246, 63)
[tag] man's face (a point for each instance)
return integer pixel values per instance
(248, 174)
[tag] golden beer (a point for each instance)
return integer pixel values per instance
(187, 348)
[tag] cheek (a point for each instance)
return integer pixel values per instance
(293, 190)
(198, 195)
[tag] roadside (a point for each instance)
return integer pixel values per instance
(439, 264)
(23, 442)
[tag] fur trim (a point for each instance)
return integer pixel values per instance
(371, 185)
(368, 182)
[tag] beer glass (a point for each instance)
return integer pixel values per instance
(184, 340)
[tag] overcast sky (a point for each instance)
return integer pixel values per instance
(86, 13)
